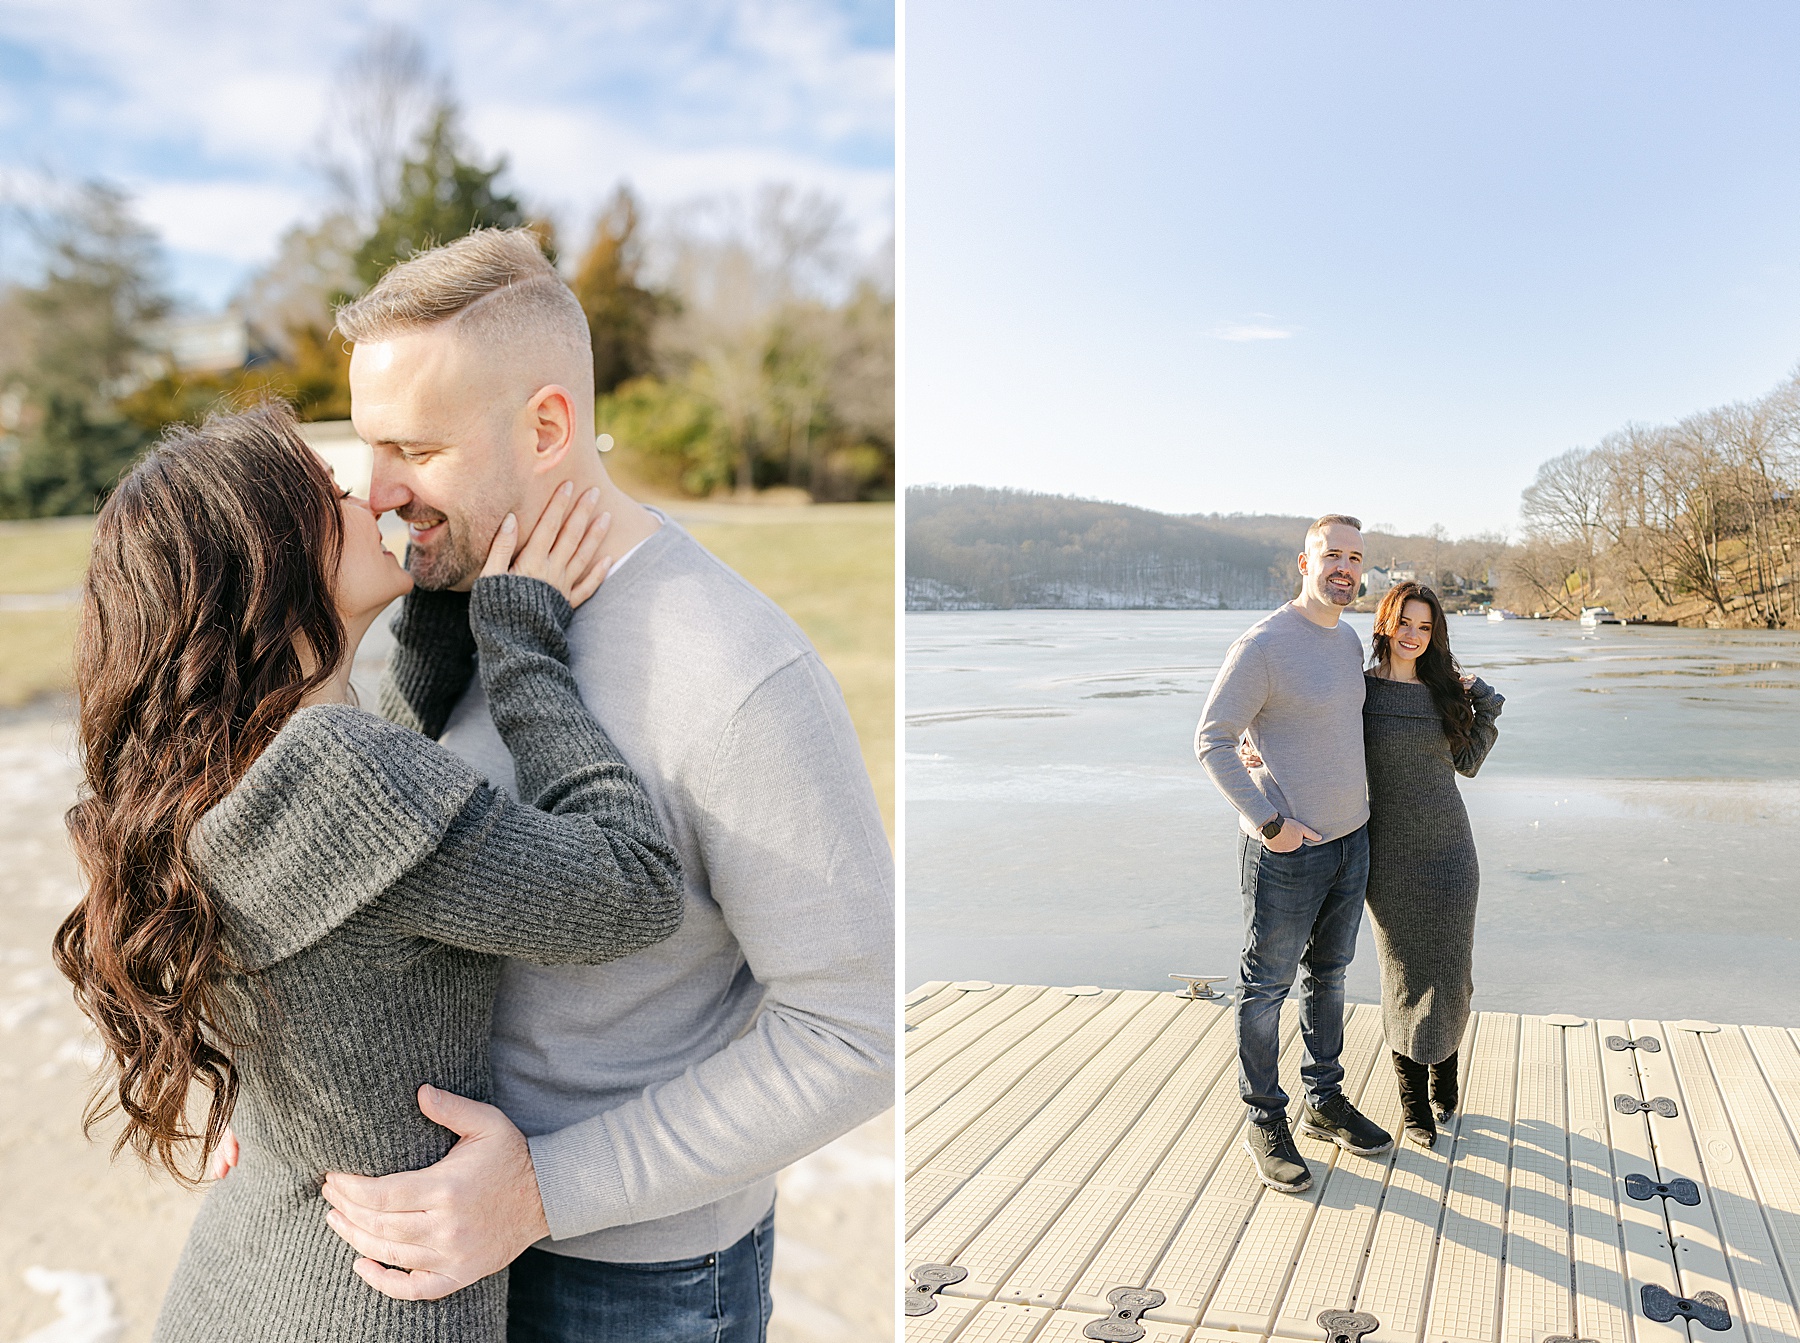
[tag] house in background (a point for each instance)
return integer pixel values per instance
(1376, 580)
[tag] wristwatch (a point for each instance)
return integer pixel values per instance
(1273, 828)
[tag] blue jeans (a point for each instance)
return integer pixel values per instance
(1301, 914)
(713, 1298)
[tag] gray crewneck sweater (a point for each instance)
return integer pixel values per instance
(368, 883)
(661, 1094)
(1297, 687)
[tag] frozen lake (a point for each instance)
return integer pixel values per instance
(1638, 823)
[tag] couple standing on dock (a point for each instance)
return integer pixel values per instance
(1344, 783)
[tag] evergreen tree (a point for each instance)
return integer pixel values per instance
(85, 326)
(442, 195)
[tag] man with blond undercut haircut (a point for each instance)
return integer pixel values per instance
(642, 1107)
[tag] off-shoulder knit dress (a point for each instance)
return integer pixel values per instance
(1423, 874)
(369, 883)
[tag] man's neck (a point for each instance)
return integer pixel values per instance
(1322, 613)
(632, 523)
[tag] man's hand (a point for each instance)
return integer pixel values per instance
(447, 1225)
(1292, 835)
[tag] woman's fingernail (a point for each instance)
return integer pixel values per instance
(566, 488)
(593, 493)
(510, 523)
(606, 519)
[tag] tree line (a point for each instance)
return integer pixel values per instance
(972, 548)
(969, 548)
(1693, 521)
(737, 346)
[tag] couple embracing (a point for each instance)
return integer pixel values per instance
(555, 960)
(1344, 780)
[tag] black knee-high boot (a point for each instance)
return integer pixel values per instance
(1443, 1089)
(1415, 1108)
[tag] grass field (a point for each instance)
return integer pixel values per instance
(831, 568)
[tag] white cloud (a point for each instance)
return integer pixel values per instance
(211, 115)
(232, 220)
(1260, 328)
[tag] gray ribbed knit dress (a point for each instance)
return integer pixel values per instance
(369, 883)
(1423, 877)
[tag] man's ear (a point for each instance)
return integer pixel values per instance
(551, 414)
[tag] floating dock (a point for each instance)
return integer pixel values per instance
(1075, 1170)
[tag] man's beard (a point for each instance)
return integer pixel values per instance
(451, 561)
(1337, 596)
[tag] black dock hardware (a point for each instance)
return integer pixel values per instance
(1122, 1325)
(1708, 1308)
(1347, 1326)
(1681, 1189)
(928, 1281)
(1631, 1105)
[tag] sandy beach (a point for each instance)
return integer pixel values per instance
(87, 1243)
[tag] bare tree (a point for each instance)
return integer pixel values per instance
(1561, 511)
(383, 95)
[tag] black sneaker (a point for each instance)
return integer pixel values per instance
(1340, 1122)
(1278, 1162)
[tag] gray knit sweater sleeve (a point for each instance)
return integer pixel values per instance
(579, 869)
(346, 814)
(1486, 702)
(432, 661)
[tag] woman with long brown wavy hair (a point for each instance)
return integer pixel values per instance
(298, 906)
(1424, 723)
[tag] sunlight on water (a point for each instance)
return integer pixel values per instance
(1638, 823)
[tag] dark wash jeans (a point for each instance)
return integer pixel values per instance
(714, 1298)
(1301, 914)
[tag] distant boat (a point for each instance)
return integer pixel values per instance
(1501, 613)
(1645, 620)
(1592, 616)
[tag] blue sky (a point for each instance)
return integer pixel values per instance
(1298, 257)
(209, 114)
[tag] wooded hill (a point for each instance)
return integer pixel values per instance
(970, 549)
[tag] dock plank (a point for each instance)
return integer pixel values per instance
(1465, 1291)
(1064, 1148)
(1006, 1093)
(1700, 1246)
(1736, 1139)
(943, 1073)
(1045, 1275)
(1257, 1275)
(1395, 1285)
(1649, 1251)
(1601, 1282)
(1185, 1174)
(1538, 1299)
(1078, 1143)
(1331, 1259)
(954, 1021)
(1002, 1168)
